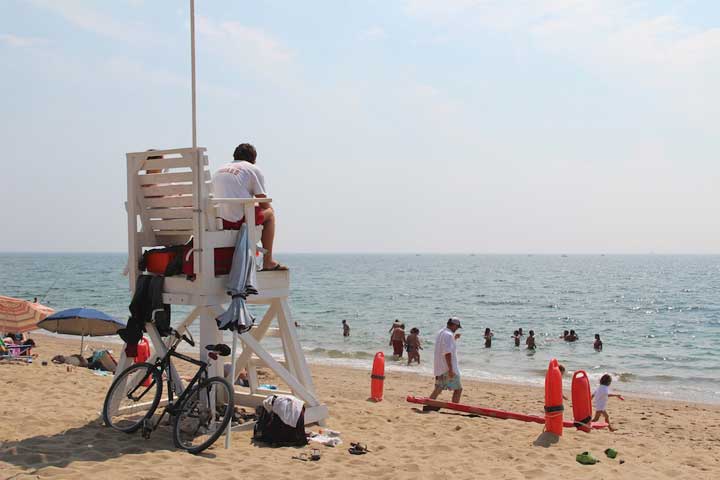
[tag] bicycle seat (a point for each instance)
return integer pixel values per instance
(221, 349)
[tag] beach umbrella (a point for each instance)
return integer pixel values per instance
(241, 283)
(18, 316)
(82, 321)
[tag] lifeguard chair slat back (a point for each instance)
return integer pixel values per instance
(170, 202)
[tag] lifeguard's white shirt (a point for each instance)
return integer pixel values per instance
(445, 343)
(237, 180)
(601, 397)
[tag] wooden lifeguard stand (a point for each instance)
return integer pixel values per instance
(172, 204)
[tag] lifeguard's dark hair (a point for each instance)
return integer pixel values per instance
(245, 152)
(606, 380)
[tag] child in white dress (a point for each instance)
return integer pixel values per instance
(601, 395)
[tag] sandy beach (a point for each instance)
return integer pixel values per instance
(51, 428)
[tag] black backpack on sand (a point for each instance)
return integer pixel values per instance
(273, 431)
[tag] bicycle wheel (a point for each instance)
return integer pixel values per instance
(133, 397)
(201, 418)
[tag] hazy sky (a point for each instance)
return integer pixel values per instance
(489, 126)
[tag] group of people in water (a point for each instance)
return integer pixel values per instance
(412, 344)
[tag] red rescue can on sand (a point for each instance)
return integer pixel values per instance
(143, 353)
(377, 377)
(581, 401)
(553, 399)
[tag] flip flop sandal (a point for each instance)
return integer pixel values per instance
(279, 267)
(302, 457)
(586, 459)
(358, 449)
(611, 452)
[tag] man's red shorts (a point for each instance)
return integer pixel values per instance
(259, 220)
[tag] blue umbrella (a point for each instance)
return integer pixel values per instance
(82, 321)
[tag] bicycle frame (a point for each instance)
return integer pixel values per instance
(164, 365)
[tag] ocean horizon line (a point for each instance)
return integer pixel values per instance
(538, 254)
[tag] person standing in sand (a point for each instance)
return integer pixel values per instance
(600, 396)
(447, 372)
(397, 340)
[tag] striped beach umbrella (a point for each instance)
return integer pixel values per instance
(18, 316)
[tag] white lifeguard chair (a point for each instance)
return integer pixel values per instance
(169, 206)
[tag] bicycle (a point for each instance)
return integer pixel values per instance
(200, 414)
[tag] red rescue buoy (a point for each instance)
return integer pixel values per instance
(581, 400)
(378, 377)
(143, 353)
(553, 399)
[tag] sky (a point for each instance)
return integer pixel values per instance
(455, 126)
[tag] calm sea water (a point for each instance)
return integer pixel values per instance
(658, 316)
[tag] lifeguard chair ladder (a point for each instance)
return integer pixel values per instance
(167, 207)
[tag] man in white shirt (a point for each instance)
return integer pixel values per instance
(447, 373)
(242, 179)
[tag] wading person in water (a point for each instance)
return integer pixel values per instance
(346, 328)
(397, 340)
(445, 365)
(530, 342)
(413, 346)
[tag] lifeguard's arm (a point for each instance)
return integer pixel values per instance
(262, 205)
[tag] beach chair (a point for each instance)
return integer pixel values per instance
(176, 205)
(14, 352)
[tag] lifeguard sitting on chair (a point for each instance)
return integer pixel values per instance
(241, 178)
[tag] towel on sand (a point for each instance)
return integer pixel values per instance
(287, 407)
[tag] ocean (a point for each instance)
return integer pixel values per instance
(658, 316)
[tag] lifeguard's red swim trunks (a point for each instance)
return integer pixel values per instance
(259, 220)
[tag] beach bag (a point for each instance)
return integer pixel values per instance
(222, 259)
(273, 431)
(166, 261)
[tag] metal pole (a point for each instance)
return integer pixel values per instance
(192, 68)
(232, 385)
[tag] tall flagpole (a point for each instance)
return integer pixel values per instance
(192, 68)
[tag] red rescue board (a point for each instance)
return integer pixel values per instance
(490, 412)
(553, 399)
(581, 400)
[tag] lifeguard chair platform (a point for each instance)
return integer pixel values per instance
(170, 202)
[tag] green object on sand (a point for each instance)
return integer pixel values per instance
(586, 459)
(611, 453)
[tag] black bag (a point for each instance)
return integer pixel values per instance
(270, 429)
